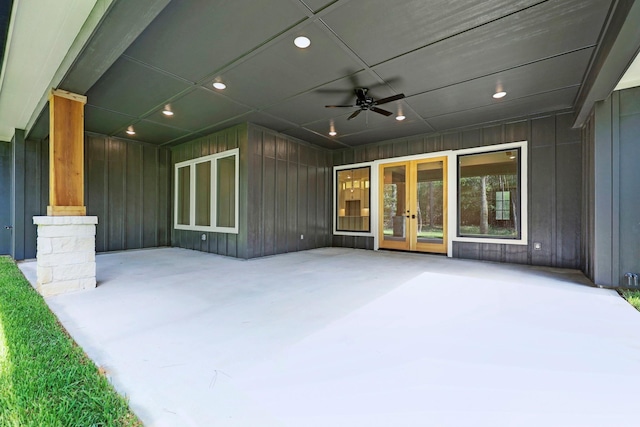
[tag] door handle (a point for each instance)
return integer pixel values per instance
(8, 227)
(413, 217)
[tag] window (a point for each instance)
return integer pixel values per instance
(353, 194)
(488, 195)
(206, 193)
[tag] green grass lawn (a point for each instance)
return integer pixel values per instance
(633, 297)
(45, 378)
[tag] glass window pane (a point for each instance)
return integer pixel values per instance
(353, 195)
(488, 188)
(430, 202)
(203, 193)
(226, 192)
(394, 203)
(184, 202)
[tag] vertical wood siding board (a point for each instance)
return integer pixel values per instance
(451, 141)
(115, 203)
(30, 198)
(415, 146)
(165, 199)
(400, 149)
(312, 197)
(281, 205)
(569, 202)
(213, 243)
(516, 131)
(554, 194)
(147, 182)
(565, 133)
(349, 156)
(323, 200)
(292, 203)
(492, 135)
(44, 177)
(132, 196)
(269, 204)
(156, 208)
(231, 245)
(629, 177)
(529, 191)
(303, 182)
(103, 193)
(542, 217)
(222, 244)
(261, 228)
(471, 138)
(254, 204)
(616, 276)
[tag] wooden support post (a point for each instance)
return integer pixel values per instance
(66, 154)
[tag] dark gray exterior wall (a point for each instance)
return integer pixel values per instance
(5, 198)
(126, 186)
(228, 244)
(284, 193)
(554, 174)
(611, 184)
(289, 194)
(18, 195)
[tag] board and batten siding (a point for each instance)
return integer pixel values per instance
(611, 182)
(289, 197)
(284, 193)
(555, 175)
(126, 187)
(5, 198)
(229, 244)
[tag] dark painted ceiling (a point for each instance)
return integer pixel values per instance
(448, 57)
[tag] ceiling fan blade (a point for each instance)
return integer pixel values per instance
(361, 93)
(381, 111)
(355, 113)
(390, 99)
(339, 106)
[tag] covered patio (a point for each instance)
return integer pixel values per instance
(344, 337)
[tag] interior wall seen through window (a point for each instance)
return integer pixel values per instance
(353, 192)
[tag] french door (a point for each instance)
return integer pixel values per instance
(413, 205)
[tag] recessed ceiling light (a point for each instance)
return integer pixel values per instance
(167, 112)
(333, 133)
(131, 131)
(499, 95)
(219, 85)
(302, 42)
(400, 118)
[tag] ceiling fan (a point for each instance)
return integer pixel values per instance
(364, 102)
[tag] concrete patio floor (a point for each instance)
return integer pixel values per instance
(339, 337)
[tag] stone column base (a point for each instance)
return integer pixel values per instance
(66, 253)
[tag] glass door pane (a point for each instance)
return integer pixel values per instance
(395, 224)
(429, 207)
(429, 203)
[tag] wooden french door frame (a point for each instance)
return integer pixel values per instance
(405, 227)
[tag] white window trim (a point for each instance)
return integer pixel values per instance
(452, 196)
(524, 185)
(373, 200)
(214, 188)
